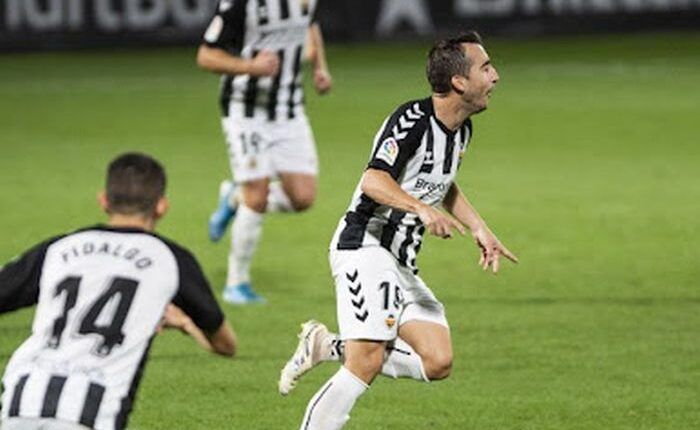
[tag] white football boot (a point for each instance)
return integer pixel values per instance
(314, 347)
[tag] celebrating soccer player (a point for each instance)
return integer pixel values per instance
(102, 294)
(390, 322)
(257, 47)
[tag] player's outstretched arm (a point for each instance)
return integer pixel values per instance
(317, 54)
(217, 60)
(222, 341)
(491, 249)
(381, 187)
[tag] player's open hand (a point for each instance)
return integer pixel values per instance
(175, 318)
(439, 224)
(491, 250)
(322, 81)
(266, 63)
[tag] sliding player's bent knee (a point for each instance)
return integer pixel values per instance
(437, 365)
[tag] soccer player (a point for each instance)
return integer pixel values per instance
(390, 321)
(257, 46)
(101, 293)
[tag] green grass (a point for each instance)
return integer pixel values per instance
(586, 166)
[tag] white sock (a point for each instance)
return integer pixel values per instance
(245, 235)
(277, 199)
(401, 360)
(329, 408)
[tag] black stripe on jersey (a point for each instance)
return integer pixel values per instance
(356, 223)
(293, 83)
(305, 7)
(92, 404)
(274, 90)
(263, 12)
(128, 401)
(389, 230)
(284, 9)
(226, 93)
(403, 250)
(251, 92)
(412, 263)
(449, 152)
(17, 396)
(429, 159)
(53, 393)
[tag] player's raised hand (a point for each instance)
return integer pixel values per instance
(439, 224)
(491, 250)
(266, 63)
(322, 81)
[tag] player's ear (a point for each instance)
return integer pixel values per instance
(102, 201)
(161, 207)
(459, 84)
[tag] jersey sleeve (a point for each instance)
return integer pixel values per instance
(226, 30)
(194, 294)
(19, 279)
(398, 139)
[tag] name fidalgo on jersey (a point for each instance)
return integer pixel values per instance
(423, 156)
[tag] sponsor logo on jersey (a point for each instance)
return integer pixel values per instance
(422, 184)
(388, 151)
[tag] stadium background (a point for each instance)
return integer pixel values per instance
(586, 166)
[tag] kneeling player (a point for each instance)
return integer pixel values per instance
(390, 322)
(102, 292)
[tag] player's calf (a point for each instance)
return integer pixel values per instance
(364, 358)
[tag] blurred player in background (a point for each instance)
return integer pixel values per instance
(390, 322)
(257, 46)
(102, 294)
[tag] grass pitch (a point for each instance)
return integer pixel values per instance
(586, 166)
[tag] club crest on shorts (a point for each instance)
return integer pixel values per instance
(390, 321)
(252, 163)
(388, 151)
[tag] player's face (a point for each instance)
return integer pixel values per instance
(482, 77)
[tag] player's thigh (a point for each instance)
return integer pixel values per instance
(368, 299)
(248, 146)
(300, 188)
(433, 344)
(294, 148)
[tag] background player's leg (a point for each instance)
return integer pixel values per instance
(433, 344)
(330, 408)
(245, 236)
(295, 192)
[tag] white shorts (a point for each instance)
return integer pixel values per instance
(259, 148)
(375, 295)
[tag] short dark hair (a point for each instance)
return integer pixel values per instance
(447, 58)
(135, 183)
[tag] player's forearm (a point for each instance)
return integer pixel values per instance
(383, 189)
(219, 61)
(223, 340)
(457, 204)
(317, 49)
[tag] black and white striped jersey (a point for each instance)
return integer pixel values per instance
(246, 27)
(100, 294)
(423, 156)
